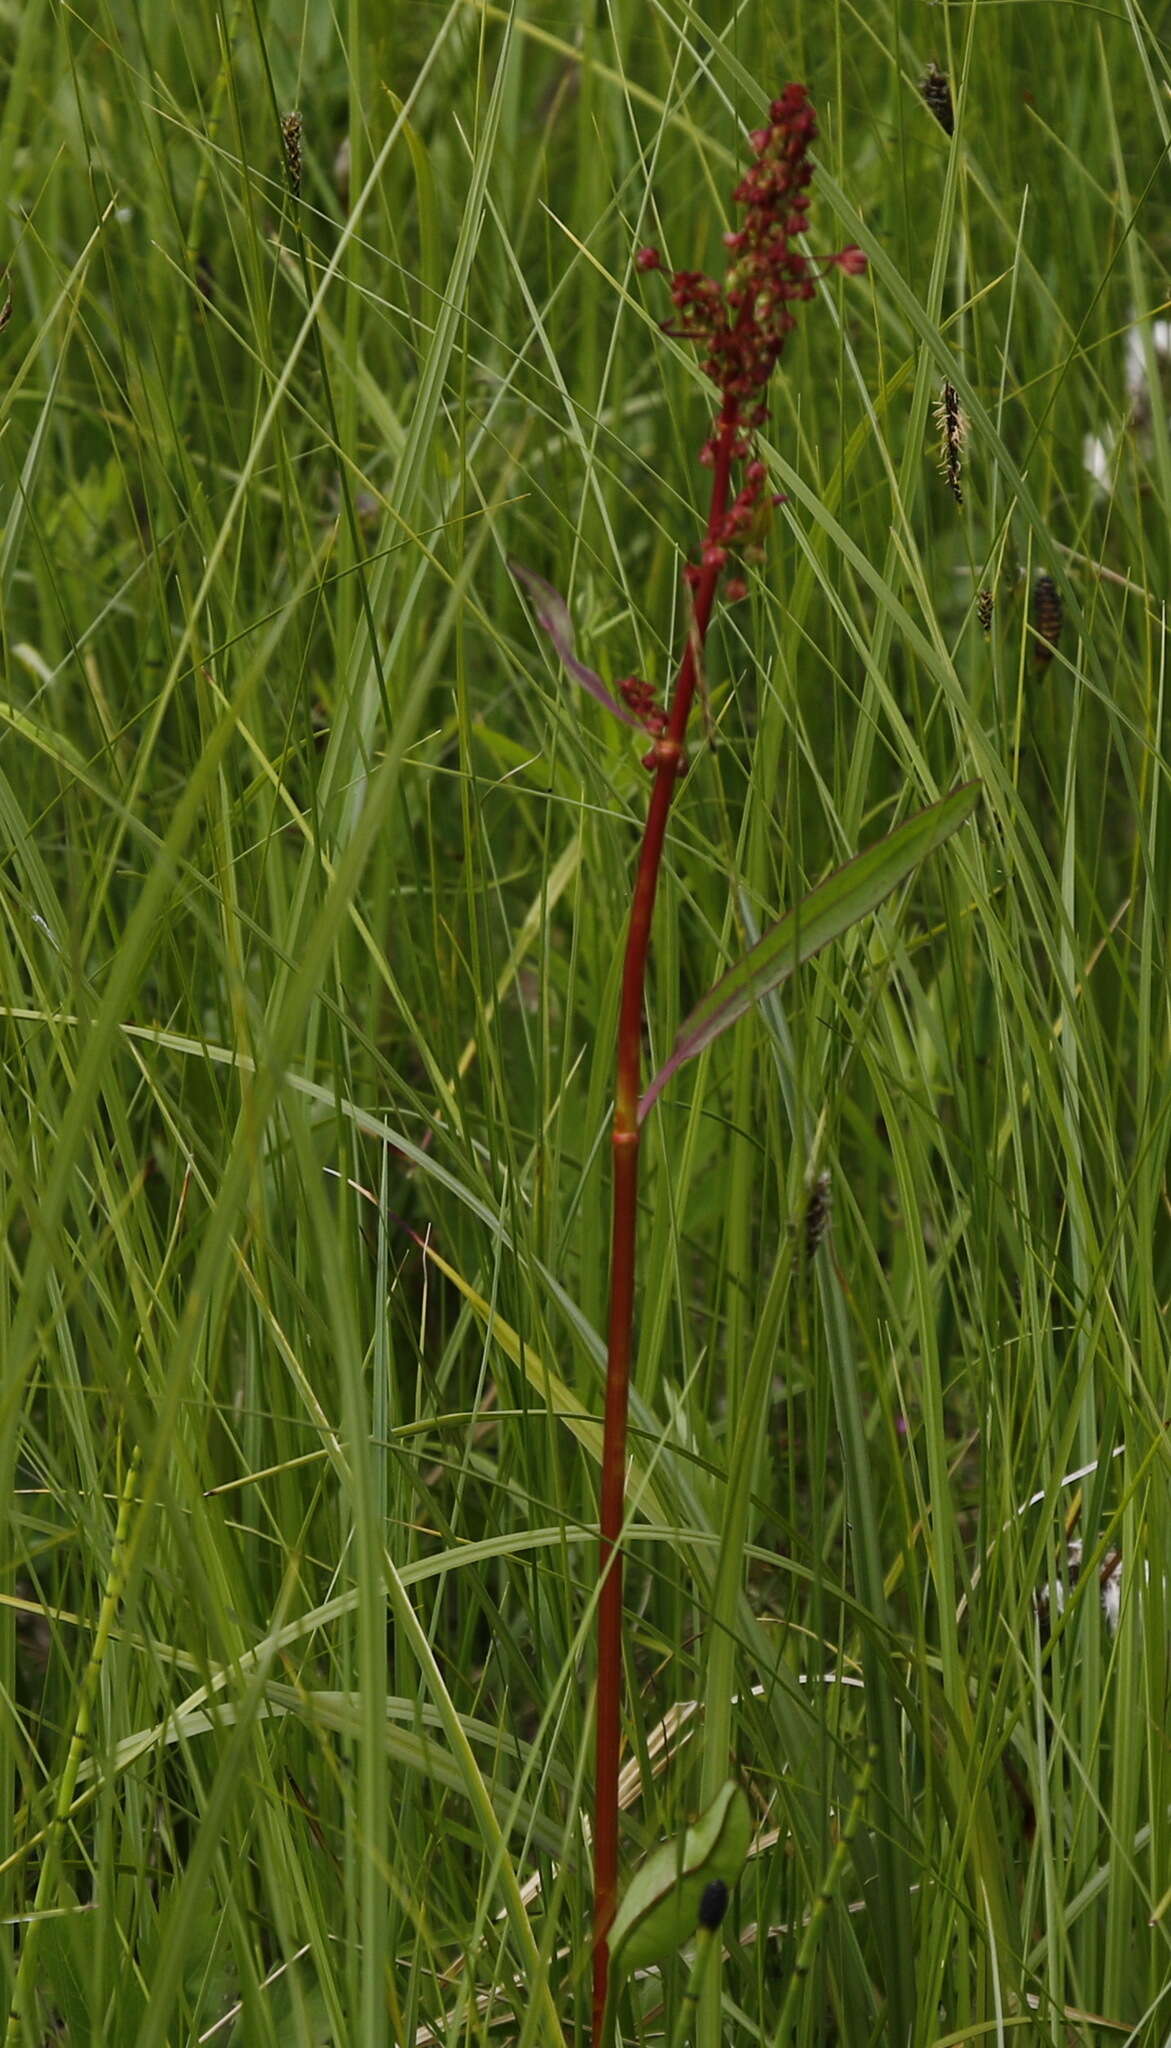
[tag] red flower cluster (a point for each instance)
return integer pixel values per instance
(639, 697)
(744, 322)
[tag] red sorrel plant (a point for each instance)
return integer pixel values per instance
(741, 324)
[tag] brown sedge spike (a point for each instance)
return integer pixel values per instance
(291, 127)
(952, 422)
(817, 1212)
(984, 603)
(1048, 617)
(935, 88)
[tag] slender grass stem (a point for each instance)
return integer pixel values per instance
(22, 2016)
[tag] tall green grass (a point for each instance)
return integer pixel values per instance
(314, 880)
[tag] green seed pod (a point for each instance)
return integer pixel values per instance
(663, 1902)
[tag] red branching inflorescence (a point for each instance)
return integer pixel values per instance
(743, 323)
(742, 326)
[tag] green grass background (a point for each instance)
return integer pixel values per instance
(314, 872)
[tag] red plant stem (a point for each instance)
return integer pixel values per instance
(625, 1140)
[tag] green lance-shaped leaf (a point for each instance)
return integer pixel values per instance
(660, 1909)
(847, 895)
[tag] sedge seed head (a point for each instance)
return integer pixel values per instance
(1048, 619)
(952, 423)
(291, 131)
(935, 87)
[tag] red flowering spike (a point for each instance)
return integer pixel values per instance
(742, 324)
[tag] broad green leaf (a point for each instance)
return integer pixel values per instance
(847, 895)
(660, 1909)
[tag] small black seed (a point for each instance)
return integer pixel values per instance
(714, 1904)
